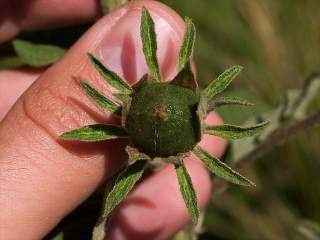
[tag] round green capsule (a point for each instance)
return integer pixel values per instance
(162, 120)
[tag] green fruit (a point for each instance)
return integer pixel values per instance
(162, 120)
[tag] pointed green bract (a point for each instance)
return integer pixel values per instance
(232, 132)
(187, 191)
(201, 114)
(149, 44)
(212, 105)
(221, 83)
(101, 100)
(95, 133)
(111, 77)
(221, 169)
(185, 78)
(122, 97)
(188, 43)
(143, 81)
(123, 186)
(134, 155)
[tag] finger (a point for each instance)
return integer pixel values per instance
(43, 179)
(213, 144)
(12, 84)
(155, 209)
(19, 15)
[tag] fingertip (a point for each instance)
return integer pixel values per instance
(127, 57)
(214, 118)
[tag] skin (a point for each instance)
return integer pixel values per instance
(43, 179)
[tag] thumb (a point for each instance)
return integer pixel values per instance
(43, 179)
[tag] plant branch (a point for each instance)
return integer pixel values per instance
(275, 139)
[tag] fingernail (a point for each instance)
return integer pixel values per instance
(121, 48)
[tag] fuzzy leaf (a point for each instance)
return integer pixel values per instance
(238, 114)
(110, 77)
(201, 113)
(232, 132)
(135, 155)
(185, 78)
(101, 100)
(221, 169)
(126, 103)
(149, 44)
(187, 191)
(37, 55)
(144, 81)
(188, 43)
(221, 83)
(212, 105)
(94, 133)
(123, 185)
(122, 97)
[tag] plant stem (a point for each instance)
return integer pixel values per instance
(275, 139)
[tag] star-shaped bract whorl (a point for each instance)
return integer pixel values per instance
(162, 120)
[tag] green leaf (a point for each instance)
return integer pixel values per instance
(37, 55)
(221, 169)
(122, 97)
(201, 114)
(187, 191)
(101, 100)
(123, 185)
(239, 114)
(135, 155)
(109, 5)
(8, 62)
(221, 83)
(94, 133)
(227, 101)
(149, 44)
(144, 81)
(185, 78)
(232, 132)
(59, 236)
(110, 77)
(188, 43)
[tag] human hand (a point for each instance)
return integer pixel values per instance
(43, 179)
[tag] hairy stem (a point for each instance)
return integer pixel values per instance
(275, 139)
